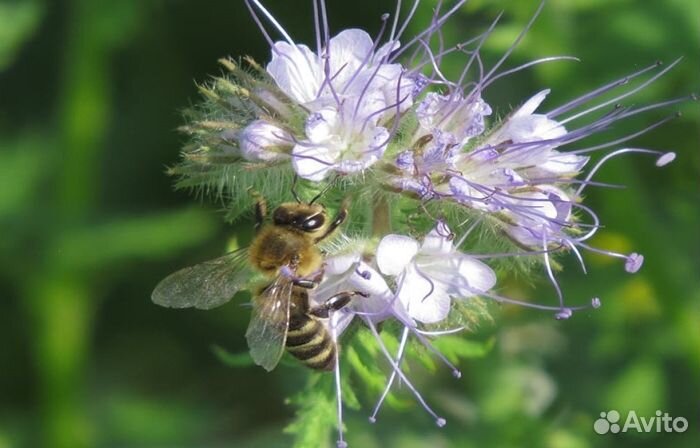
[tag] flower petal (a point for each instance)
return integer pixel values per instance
(296, 70)
(262, 141)
(425, 299)
(340, 264)
(532, 104)
(438, 240)
(395, 252)
(312, 162)
(479, 276)
(347, 51)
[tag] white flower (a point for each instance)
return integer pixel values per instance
(453, 117)
(429, 274)
(525, 126)
(354, 70)
(348, 273)
(262, 141)
(538, 217)
(338, 141)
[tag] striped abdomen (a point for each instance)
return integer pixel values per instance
(309, 342)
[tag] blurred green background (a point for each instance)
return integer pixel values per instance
(90, 97)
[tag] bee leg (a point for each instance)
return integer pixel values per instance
(305, 283)
(335, 303)
(260, 207)
(337, 221)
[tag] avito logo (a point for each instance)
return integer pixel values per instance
(611, 421)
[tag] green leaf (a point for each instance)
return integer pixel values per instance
(316, 414)
(242, 359)
(18, 22)
(148, 237)
(22, 165)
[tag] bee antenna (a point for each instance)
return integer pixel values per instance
(322, 192)
(294, 189)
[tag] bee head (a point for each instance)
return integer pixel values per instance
(307, 218)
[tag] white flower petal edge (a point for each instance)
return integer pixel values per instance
(431, 273)
(395, 252)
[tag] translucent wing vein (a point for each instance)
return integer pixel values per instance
(267, 331)
(206, 285)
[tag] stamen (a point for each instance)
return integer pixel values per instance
(529, 64)
(368, 56)
(258, 22)
(317, 28)
(664, 158)
(273, 21)
(625, 138)
(440, 333)
(551, 276)
(599, 91)
(339, 393)
(392, 377)
(439, 421)
(406, 23)
(396, 21)
(326, 29)
(516, 42)
(421, 35)
(622, 96)
(475, 55)
(455, 371)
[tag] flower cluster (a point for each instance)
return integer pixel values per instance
(398, 138)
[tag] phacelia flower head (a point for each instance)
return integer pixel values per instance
(415, 155)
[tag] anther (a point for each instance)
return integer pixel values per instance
(564, 314)
(440, 422)
(634, 262)
(595, 303)
(665, 159)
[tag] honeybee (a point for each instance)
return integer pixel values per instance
(286, 252)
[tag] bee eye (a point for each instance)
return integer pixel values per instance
(312, 223)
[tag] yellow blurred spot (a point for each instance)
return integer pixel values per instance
(560, 438)
(4, 441)
(639, 299)
(611, 241)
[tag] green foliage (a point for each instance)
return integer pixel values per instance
(18, 21)
(315, 415)
(242, 359)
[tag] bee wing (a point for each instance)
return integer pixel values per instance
(206, 285)
(269, 321)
